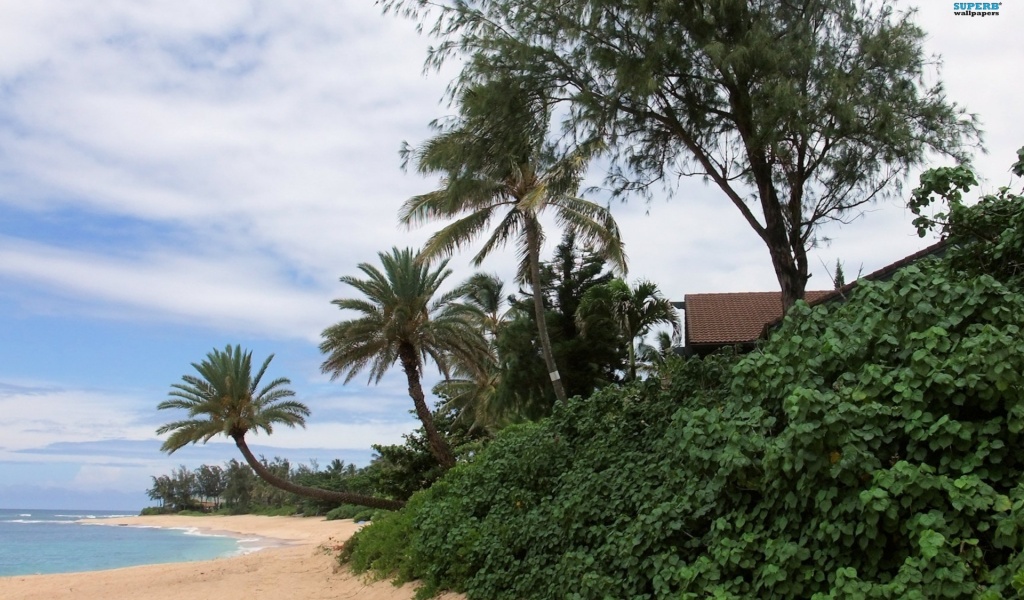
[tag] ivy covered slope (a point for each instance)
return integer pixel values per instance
(871, 449)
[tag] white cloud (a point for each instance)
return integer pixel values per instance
(37, 416)
(101, 477)
(243, 294)
(337, 435)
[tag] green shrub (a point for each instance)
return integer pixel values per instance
(356, 513)
(369, 514)
(387, 550)
(155, 510)
(271, 511)
(345, 511)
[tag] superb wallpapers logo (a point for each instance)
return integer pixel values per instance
(976, 9)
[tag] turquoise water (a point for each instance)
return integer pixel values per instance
(52, 541)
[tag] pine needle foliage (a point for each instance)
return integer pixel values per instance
(799, 113)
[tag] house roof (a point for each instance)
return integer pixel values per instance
(735, 318)
(882, 274)
(743, 317)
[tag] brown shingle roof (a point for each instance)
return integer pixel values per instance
(742, 317)
(734, 318)
(882, 274)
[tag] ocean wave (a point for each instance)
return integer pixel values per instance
(201, 533)
(40, 521)
(86, 516)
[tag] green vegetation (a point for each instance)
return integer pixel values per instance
(633, 311)
(867, 450)
(356, 513)
(586, 363)
(236, 489)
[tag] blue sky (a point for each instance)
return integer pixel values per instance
(178, 176)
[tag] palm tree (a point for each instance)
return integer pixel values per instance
(226, 398)
(652, 358)
(632, 311)
(472, 388)
(399, 322)
(486, 292)
(162, 490)
(493, 171)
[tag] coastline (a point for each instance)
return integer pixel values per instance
(296, 561)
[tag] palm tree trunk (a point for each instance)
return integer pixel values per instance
(311, 492)
(533, 253)
(631, 349)
(411, 365)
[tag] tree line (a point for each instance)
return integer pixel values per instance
(235, 488)
(483, 340)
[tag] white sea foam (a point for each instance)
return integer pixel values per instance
(95, 516)
(244, 550)
(201, 533)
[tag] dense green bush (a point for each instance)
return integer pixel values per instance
(871, 449)
(356, 513)
(156, 510)
(345, 511)
(275, 511)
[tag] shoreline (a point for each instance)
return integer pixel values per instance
(303, 567)
(244, 540)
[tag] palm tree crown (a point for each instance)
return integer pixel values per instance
(398, 310)
(472, 389)
(226, 398)
(632, 310)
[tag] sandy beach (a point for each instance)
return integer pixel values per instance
(301, 567)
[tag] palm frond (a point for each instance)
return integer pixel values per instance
(457, 235)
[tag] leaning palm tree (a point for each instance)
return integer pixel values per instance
(633, 311)
(497, 164)
(226, 398)
(401, 321)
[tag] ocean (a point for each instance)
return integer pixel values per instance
(53, 541)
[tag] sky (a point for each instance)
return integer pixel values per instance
(180, 176)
